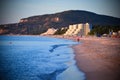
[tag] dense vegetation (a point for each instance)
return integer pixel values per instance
(23, 29)
(100, 30)
(60, 31)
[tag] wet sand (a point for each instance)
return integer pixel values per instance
(99, 58)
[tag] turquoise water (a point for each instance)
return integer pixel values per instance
(37, 58)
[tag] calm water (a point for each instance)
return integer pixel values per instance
(37, 58)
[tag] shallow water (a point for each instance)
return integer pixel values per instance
(37, 58)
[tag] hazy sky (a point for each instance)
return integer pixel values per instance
(13, 10)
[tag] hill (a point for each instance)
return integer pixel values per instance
(40, 24)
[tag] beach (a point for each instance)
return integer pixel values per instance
(99, 58)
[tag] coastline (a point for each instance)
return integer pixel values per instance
(56, 64)
(59, 64)
(99, 58)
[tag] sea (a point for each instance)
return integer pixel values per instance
(37, 58)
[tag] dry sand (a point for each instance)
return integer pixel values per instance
(99, 58)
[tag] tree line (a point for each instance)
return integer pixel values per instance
(100, 30)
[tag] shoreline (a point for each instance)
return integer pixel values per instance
(61, 53)
(98, 58)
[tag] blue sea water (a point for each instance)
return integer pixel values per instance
(37, 58)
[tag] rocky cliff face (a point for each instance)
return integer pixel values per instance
(40, 24)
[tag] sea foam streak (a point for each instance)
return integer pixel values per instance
(37, 58)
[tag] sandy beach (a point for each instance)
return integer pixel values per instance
(99, 58)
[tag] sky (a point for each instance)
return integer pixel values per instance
(11, 11)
